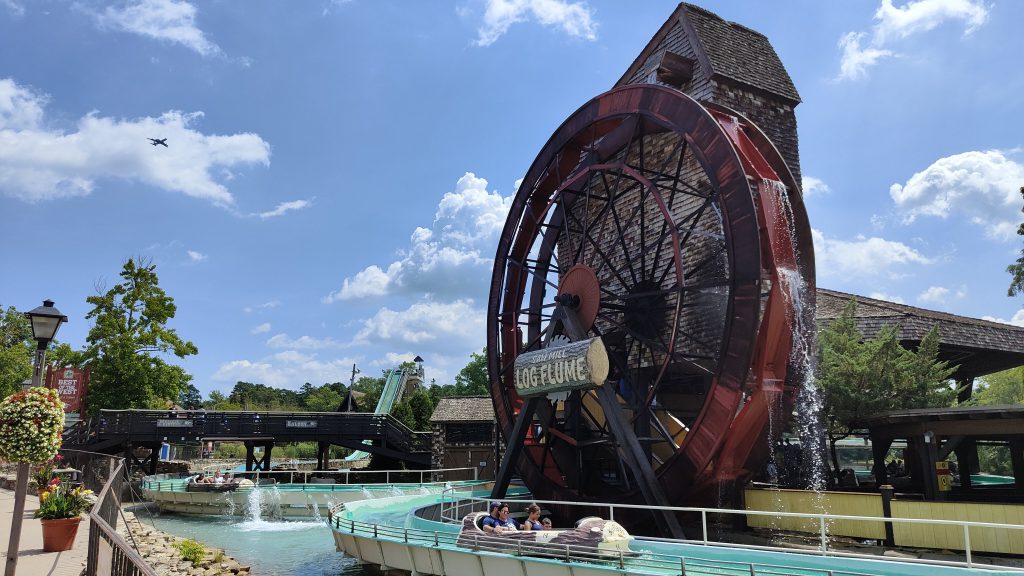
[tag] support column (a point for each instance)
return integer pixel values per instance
(514, 447)
(323, 455)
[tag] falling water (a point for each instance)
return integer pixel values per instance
(396, 491)
(367, 495)
(810, 404)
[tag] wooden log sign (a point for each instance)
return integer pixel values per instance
(578, 365)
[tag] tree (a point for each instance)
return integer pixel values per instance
(1017, 268)
(371, 389)
(422, 409)
(472, 380)
(15, 350)
(323, 399)
(860, 377)
(1006, 387)
(128, 339)
(190, 398)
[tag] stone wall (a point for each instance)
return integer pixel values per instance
(157, 548)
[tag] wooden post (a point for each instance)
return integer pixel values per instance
(887, 492)
(19, 512)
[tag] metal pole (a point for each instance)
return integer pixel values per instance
(22, 482)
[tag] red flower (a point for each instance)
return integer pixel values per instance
(54, 481)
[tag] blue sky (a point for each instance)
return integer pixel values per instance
(338, 172)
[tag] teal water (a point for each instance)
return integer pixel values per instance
(286, 548)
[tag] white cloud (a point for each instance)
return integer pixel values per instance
(934, 295)
(982, 186)
(302, 342)
(171, 21)
(574, 18)
(895, 23)
(856, 60)
(863, 257)
(426, 325)
(37, 163)
(289, 369)
(924, 15)
(15, 8)
(264, 306)
(452, 258)
(1017, 320)
(196, 256)
(285, 207)
(886, 297)
(261, 329)
(814, 186)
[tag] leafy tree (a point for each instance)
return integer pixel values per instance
(860, 377)
(262, 397)
(1006, 387)
(1017, 268)
(371, 388)
(128, 339)
(218, 401)
(15, 350)
(190, 398)
(323, 399)
(472, 380)
(404, 414)
(422, 408)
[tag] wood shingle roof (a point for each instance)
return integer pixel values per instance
(731, 50)
(464, 409)
(979, 347)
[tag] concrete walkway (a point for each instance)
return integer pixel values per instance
(32, 561)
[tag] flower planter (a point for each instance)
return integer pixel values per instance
(59, 534)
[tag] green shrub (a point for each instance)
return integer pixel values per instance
(191, 550)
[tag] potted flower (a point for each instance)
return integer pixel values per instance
(44, 473)
(60, 510)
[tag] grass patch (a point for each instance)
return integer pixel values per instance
(191, 550)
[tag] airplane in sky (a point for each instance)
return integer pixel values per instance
(160, 141)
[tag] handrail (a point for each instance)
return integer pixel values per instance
(347, 474)
(822, 518)
(123, 559)
(622, 561)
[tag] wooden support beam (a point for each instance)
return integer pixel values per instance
(515, 447)
(633, 457)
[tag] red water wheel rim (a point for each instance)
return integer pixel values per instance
(641, 185)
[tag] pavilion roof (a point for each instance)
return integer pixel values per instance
(979, 347)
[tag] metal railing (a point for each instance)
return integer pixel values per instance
(173, 482)
(109, 554)
(452, 506)
(623, 561)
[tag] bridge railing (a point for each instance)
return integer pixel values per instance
(342, 478)
(159, 425)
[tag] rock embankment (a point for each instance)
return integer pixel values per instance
(159, 551)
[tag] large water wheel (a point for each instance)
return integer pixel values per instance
(672, 230)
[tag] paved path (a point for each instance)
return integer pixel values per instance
(32, 561)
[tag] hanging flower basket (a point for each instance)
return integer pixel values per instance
(59, 534)
(31, 422)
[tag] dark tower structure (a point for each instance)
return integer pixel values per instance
(714, 60)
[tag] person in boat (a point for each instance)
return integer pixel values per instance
(498, 521)
(200, 478)
(532, 521)
(217, 478)
(546, 523)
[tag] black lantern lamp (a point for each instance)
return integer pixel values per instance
(46, 320)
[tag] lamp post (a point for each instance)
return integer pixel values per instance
(46, 320)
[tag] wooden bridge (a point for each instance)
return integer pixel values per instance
(123, 431)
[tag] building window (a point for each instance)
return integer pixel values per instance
(467, 433)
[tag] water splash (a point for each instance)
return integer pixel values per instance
(367, 494)
(396, 491)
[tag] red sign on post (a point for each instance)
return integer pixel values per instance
(70, 384)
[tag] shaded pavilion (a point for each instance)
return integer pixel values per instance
(932, 434)
(977, 347)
